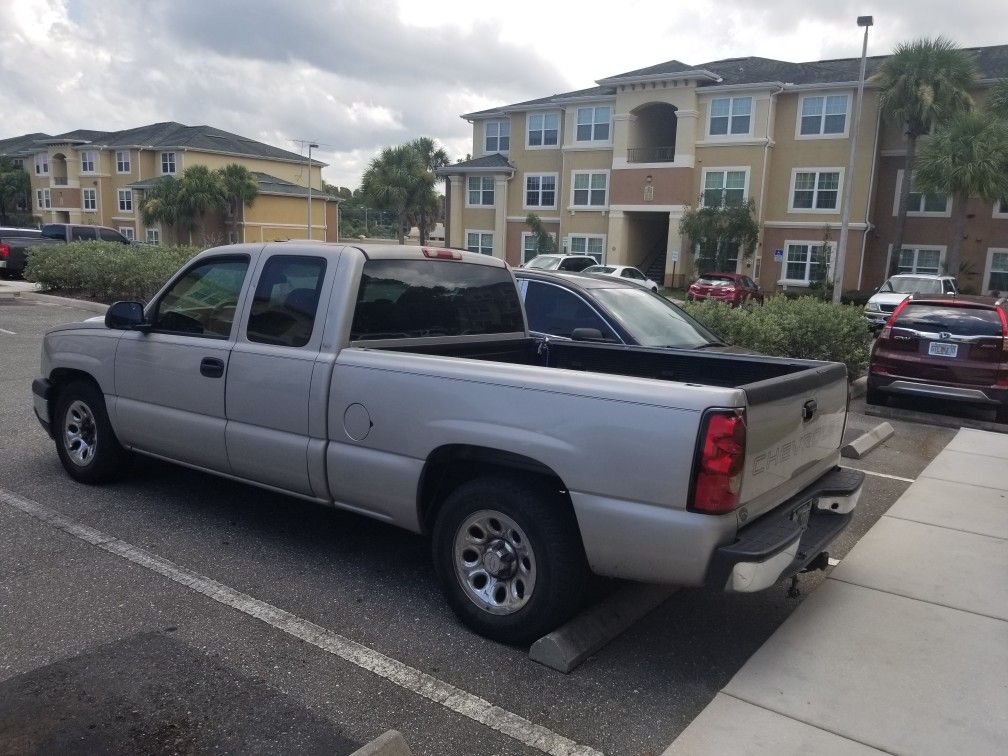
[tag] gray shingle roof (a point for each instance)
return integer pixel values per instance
(494, 163)
(267, 185)
(21, 145)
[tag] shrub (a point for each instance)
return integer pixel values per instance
(857, 297)
(806, 328)
(105, 271)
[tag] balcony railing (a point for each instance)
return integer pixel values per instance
(651, 154)
(59, 180)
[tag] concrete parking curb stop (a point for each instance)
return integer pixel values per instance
(567, 646)
(390, 743)
(864, 443)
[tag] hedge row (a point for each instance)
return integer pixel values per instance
(806, 328)
(105, 271)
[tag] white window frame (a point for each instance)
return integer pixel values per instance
(527, 235)
(88, 157)
(153, 236)
(506, 122)
(125, 197)
(810, 243)
(725, 170)
(569, 245)
(991, 251)
(44, 199)
(84, 202)
(1001, 208)
(594, 124)
(172, 162)
(540, 176)
(815, 192)
(18, 162)
(128, 162)
(727, 137)
(128, 231)
(590, 173)
(41, 163)
(947, 213)
(917, 248)
(528, 129)
(481, 177)
(482, 233)
(822, 117)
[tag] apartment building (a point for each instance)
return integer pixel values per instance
(611, 169)
(101, 177)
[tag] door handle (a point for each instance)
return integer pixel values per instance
(212, 367)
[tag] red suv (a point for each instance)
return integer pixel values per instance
(733, 289)
(946, 347)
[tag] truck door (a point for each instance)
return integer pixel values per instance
(169, 381)
(269, 379)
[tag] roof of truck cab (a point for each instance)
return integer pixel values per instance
(371, 251)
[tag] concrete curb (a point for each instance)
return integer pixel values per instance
(864, 443)
(80, 304)
(390, 743)
(858, 387)
(566, 647)
(930, 418)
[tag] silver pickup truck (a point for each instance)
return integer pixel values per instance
(401, 383)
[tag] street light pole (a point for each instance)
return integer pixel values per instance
(311, 146)
(841, 255)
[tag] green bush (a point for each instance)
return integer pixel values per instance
(857, 297)
(105, 271)
(806, 328)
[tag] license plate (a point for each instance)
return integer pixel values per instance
(942, 349)
(801, 515)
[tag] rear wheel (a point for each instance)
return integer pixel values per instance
(85, 441)
(875, 396)
(1002, 413)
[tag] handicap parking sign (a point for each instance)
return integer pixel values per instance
(778, 254)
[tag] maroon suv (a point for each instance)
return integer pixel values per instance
(946, 347)
(733, 289)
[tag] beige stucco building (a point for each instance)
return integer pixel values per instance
(610, 170)
(100, 178)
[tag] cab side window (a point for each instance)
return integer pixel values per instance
(286, 300)
(81, 233)
(107, 234)
(202, 301)
(558, 312)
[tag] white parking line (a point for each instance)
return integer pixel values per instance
(4, 330)
(879, 475)
(407, 677)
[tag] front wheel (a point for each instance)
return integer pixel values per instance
(509, 557)
(85, 442)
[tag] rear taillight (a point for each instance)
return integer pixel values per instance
(719, 465)
(442, 254)
(4, 251)
(887, 331)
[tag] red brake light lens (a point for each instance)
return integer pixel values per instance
(887, 331)
(719, 467)
(4, 251)
(442, 254)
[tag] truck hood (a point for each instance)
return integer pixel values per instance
(887, 298)
(98, 321)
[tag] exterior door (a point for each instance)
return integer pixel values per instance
(269, 380)
(170, 381)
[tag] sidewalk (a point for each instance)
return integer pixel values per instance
(904, 648)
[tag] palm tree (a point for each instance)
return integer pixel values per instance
(428, 208)
(241, 188)
(966, 158)
(200, 190)
(161, 204)
(15, 188)
(924, 82)
(997, 103)
(394, 180)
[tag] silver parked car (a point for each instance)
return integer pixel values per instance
(625, 272)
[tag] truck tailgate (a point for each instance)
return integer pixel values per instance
(794, 428)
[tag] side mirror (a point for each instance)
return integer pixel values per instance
(124, 315)
(587, 334)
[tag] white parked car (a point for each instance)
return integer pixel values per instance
(569, 263)
(899, 287)
(626, 272)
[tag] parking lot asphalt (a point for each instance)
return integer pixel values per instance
(103, 654)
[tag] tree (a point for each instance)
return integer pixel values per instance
(997, 103)
(428, 205)
(15, 188)
(967, 157)
(200, 190)
(544, 239)
(716, 232)
(394, 180)
(160, 204)
(241, 187)
(924, 82)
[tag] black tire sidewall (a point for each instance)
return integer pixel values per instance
(110, 458)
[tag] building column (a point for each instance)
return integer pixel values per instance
(616, 239)
(676, 270)
(500, 216)
(455, 199)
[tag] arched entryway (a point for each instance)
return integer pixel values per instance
(652, 133)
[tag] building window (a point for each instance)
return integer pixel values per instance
(805, 262)
(44, 199)
(730, 116)
(824, 115)
(497, 136)
(920, 203)
(87, 160)
(123, 161)
(18, 163)
(126, 200)
(816, 190)
(42, 164)
(543, 129)
(540, 190)
(724, 188)
(481, 191)
(128, 232)
(587, 244)
(153, 235)
(530, 245)
(89, 199)
(590, 188)
(996, 276)
(593, 124)
(168, 162)
(920, 260)
(480, 241)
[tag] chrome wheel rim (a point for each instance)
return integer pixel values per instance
(494, 562)
(80, 434)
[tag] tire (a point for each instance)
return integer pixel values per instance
(1002, 413)
(875, 396)
(85, 442)
(542, 573)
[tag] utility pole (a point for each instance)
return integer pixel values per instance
(311, 145)
(841, 255)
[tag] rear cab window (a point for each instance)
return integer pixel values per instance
(406, 299)
(958, 320)
(286, 300)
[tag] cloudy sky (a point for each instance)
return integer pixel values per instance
(355, 76)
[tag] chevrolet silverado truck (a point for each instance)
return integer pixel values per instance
(402, 384)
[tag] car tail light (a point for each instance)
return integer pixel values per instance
(718, 470)
(4, 251)
(887, 331)
(442, 254)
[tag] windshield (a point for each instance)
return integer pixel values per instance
(913, 285)
(715, 281)
(653, 320)
(544, 262)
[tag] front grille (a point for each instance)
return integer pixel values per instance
(887, 307)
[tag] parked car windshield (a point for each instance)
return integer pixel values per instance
(912, 285)
(715, 280)
(653, 320)
(956, 319)
(544, 262)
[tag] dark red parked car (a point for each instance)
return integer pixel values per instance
(731, 288)
(945, 347)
